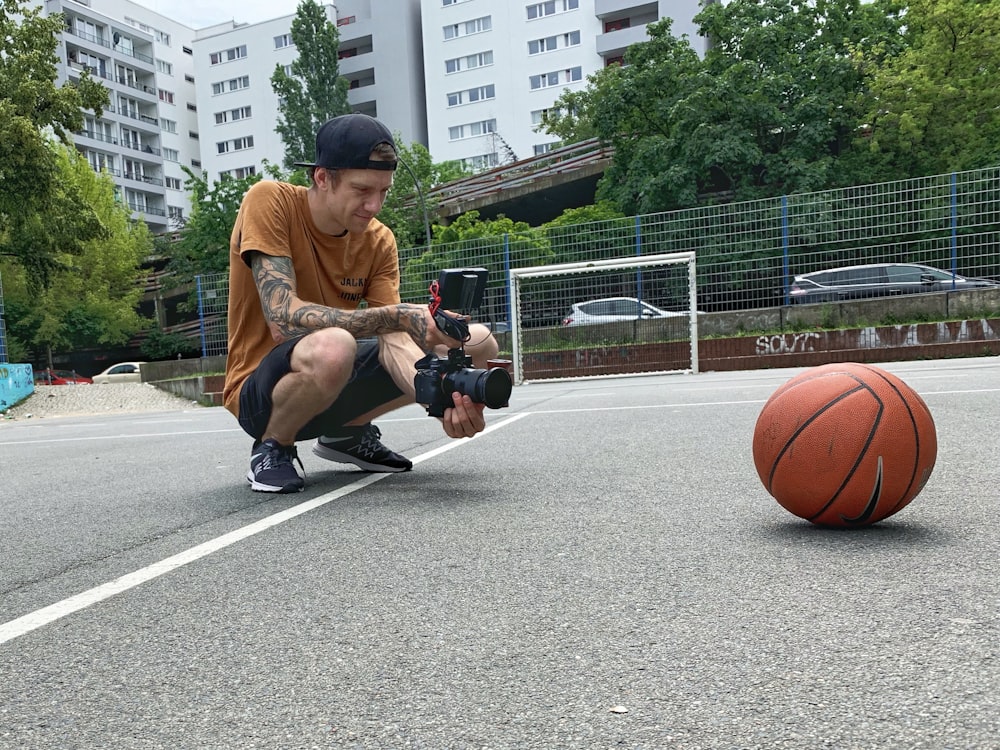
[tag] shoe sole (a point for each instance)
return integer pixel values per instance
(260, 487)
(345, 458)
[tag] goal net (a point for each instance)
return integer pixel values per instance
(600, 318)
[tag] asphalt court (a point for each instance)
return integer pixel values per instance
(601, 568)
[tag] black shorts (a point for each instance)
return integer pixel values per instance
(370, 386)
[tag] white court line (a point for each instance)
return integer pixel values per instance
(40, 617)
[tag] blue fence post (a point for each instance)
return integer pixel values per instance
(784, 248)
(3, 329)
(201, 318)
(954, 228)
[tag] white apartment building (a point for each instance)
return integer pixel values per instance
(150, 126)
(469, 79)
(233, 64)
(492, 68)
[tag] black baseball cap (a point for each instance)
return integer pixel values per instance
(347, 141)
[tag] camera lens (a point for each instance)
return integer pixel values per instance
(490, 387)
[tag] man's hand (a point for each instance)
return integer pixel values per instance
(465, 418)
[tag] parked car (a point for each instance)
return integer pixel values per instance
(614, 309)
(123, 372)
(878, 280)
(59, 377)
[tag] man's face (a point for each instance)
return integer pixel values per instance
(353, 197)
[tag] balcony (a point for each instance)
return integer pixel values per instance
(614, 43)
(605, 8)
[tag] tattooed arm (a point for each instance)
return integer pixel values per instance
(288, 316)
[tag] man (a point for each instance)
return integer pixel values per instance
(304, 361)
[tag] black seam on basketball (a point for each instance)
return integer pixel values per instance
(861, 453)
(916, 440)
(813, 418)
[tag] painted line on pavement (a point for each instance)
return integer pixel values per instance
(46, 615)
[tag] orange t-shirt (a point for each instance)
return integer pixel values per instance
(339, 272)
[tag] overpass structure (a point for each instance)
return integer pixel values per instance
(532, 190)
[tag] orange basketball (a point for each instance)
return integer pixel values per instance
(844, 444)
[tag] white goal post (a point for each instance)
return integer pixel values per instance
(620, 341)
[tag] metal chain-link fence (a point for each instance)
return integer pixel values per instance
(748, 253)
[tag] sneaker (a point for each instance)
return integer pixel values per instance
(272, 470)
(361, 446)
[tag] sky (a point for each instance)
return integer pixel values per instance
(201, 13)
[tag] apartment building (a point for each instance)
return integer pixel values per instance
(469, 79)
(492, 69)
(150, 126)
(233, 65)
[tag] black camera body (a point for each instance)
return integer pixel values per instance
(437, 378)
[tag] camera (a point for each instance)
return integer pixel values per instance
(461, 291)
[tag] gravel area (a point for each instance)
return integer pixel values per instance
(110, 398)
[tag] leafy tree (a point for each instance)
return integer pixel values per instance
(40, 218)
(934, 107)
(160, 344)
(405, 207)
(203, 246)
(766, 111)
(315, 90)
(93, 295)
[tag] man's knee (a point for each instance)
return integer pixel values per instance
(326, 355)
(481, 345)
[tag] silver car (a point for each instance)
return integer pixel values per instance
(614, 309)
(123, 372)
(878, 280)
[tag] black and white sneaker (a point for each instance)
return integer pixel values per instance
(272, 468)
(361, 446)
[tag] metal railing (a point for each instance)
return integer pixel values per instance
(748, 253)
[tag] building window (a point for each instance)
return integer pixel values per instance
(232, 115)
(549, 43)
(192, 134)
(238, 173)
(192, 107)
(187, 50)
(346, 20)
(167, 97)
(162, 66)
(233, 84)
(175, 212)
(173, 183)
(544, 148)
(236, 144)
(228, 55)
(171, 154)
(472, 129)
(189, 78)
(480, 93)
(168, 126)
(621, 23)
(482, 161)
(282, 41)
(550, 8)
(469, 62)
(545, 80)
(196, 163)
(475, 26)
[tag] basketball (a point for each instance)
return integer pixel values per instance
(844, 445)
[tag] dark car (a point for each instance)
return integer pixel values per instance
(59, 377)
(878, 280)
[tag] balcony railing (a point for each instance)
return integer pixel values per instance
(97, 136)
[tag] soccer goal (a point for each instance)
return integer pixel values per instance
(636, 315)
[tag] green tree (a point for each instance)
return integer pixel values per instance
(407, 207)
(40, 218)
(315, 90)
(935, 106)
(203, 243)
(767, 110)
(93, 295)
